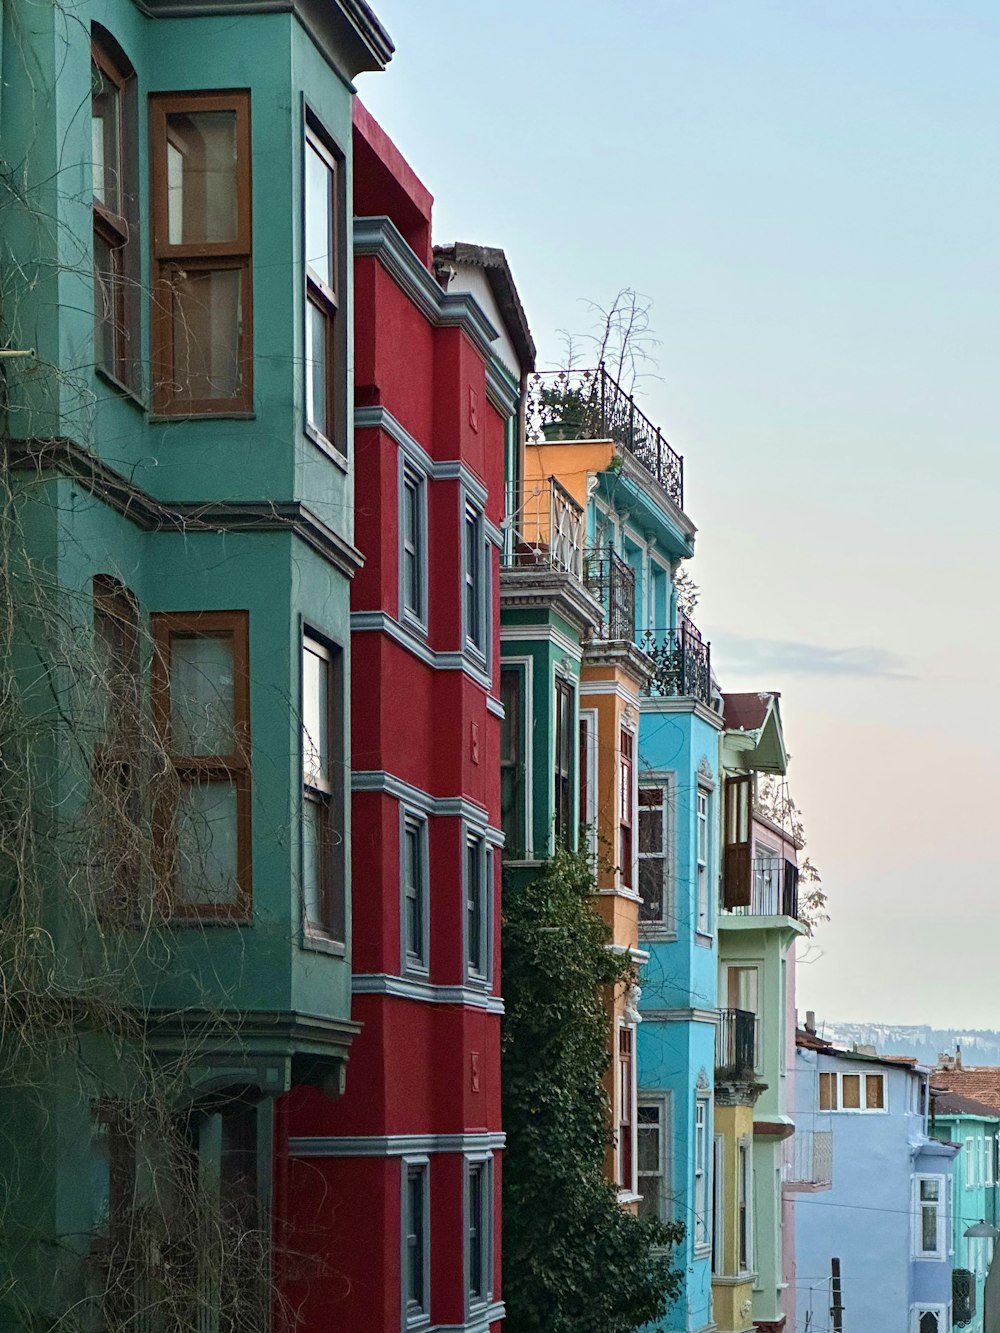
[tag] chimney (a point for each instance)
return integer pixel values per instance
(811, 1022)
(958, 1056)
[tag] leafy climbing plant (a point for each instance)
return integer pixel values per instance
(575, 1261)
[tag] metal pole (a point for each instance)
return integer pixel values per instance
(836, 1307)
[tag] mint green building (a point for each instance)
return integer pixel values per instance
(975, 1127)
(176, 415)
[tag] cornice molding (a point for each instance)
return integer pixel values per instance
(379, 238)
(562, 594)
(685, 705)
(408, 988)
(69, 459)
(393, 1145)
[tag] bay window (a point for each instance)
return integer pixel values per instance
(202, 304)
(626, 1109)
(704, 920)
(562, 780)
(201, 701)
(653, 853)
(929, 1228)
(626, 796)
(652, 1161)
(702, 1184)
(325, 345)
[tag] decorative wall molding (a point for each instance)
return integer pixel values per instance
(393, 1145)
(409, 988)
(447, 807)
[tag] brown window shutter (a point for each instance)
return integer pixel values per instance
(737, 864)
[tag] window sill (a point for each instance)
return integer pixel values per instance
(193, 921)
(121, 388)
(476, 982)
(703, 939)
(327, 447)
(656, 930)
(172, 418)
(417, 1321)
(316, 942)
(418, 971)
(413, 623)
(629, 1196)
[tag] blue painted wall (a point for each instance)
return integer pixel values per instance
(867, 1218)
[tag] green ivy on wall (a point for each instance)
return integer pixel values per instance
(574, 1260)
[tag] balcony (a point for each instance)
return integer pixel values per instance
(736, 1044)
(682, 661)
(811, 1163)
(550, 530)
(774, 889)
(592, 405)
(611, 581)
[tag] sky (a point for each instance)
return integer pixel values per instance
(808, 192)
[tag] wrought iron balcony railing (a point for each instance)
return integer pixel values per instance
(592, 405)
(736, 1044)
(612, 582)
(549, 526)
(774, 888)
(683, 662)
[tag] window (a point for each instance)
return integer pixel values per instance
(201, 699)
(652, 1139)
(701, 1173)
(929, 1217)
(743, 992)
(852, 1092)
(115, 170)
(987, 1162)
(202, 311)
(416, 1240)
(478, 896)
(563, 789)
(413, 545)
(414, 879)
(744, 1208)
(325, 347)
(479, 1229)
(653, 852)
(828, 1092)
(626, 797)
(475, 571)
(971, 1179)
(587, 763)
(117, 781)
(766, 881)
(930, 1319)
(626, 1105)
(718, 1205)
(512, 784)
(323, 890)
(737, 851)
(704, 922)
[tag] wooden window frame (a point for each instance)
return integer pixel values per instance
(327, 299)
(625, 1091)
(327, 792)
(737, 854)
(199, 257)
(191, 769)
(117, 229)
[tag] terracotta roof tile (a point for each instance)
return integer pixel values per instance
(979, 1082)
(951, 1103)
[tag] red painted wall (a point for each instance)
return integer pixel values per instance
(416, 1068)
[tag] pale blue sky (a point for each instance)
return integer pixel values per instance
(809, 192)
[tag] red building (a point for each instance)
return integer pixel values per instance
(392, 1192)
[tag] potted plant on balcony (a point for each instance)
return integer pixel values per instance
(563, 410)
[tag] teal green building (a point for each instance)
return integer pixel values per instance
(176, 419)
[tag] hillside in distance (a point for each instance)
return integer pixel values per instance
(980, 1046)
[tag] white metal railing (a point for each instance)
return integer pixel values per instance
(550, 529)
(811, 1159)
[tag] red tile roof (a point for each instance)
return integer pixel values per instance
(951, 1103)
(747, 711)
(980, 1082)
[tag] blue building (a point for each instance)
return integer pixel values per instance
(887, 1215)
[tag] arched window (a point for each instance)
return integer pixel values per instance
(114, 148)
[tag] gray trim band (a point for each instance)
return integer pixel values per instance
(410, 988)
(393, 1145)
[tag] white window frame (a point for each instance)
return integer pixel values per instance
(476, 837)
(702, 1210)
(942, 1311)
(971, 1162)
(863, 1109)
(628, 1190)
(660, 1101)
(416, 821)
(411, 475)
(479, 581)
(485, 1162)
(744, 1185)
(414, 1317)
(718, 1206)
(703, 860)
(940, 1252)
(747, 965)
(666, 924)
(987, 1161)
